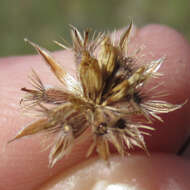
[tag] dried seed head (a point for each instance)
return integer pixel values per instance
(106, 97)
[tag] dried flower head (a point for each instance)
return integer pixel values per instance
(105, 96)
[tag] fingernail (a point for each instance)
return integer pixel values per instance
(104, 185)
(137, 172)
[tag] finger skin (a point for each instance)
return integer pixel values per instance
(176, 68)
(24, 166)
(137, 172)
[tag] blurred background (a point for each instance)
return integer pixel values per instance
(45, 20)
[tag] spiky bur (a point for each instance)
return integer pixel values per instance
(105, 97)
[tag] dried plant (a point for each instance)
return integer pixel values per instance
(106, 97)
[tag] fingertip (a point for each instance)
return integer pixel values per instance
(159, 41)
(162, 41)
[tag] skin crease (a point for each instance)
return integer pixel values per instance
(24, 165)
